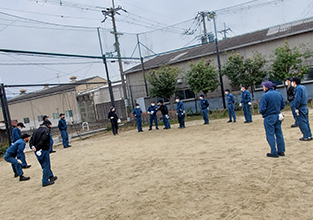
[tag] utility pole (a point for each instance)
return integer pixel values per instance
(111, 13)
(106, 70)
(142, 66)
(205, 39)
(224, 31)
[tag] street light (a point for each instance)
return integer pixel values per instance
(212, 16)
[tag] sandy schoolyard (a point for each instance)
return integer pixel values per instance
(215, 171)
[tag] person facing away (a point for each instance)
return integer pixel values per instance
(152, 110)
(40, 144)
(46, 117)
(230, 106)
(301, 109)
(180, 112)
(246, 103)
(63, 131)
(113, 118)
(271, 104)
(17, 150)
(16, 132)
(165, 115)
(137, 113)
(290, 98)
(204, 104)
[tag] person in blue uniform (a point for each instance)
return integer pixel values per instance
(16, 132)
(46, 117)
(152, 110)
(204, 105)
(301, 109)
(180, 112)
(40, 144)
(246, 104)
(15, 150)
(290, 98)
(230, 106)
(165, 115)
(271, 104)
(113, 118)
(137, 113)
(63, 130)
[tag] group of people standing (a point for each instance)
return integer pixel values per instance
(41, 142)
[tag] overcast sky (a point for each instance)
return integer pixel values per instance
(70, 27)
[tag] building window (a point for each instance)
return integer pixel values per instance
(26, 120)
(40, 118)
(55, 115)
(69, 113)
(185, 94)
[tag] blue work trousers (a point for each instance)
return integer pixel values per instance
(44, 160)
(303, 120)
(181, 120)
(155, 119)
(231, 112)
(205, 115)
(274, 134)
(22, 158)
(166, 122)
(17, 168)
(139, 123)
(51, 143)
(293, 110)
(247, 112)
(64, 136)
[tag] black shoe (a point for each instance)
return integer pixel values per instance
(205, 123)
(150, 129)
(294, 126)
(53, 151)
(229, 121)
(26, 167)
(305, 139)
(53, 178)
(141, 131)
(68, 146)
(23, 178)
(47, 184)
(245, 122)
(15, 175)
(272, 155)
(249, 122)
(157, 128)
(281, 154)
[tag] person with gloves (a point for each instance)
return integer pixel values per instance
(204, 104)
(152, 110)
(246, 104)
(114, 120)
(180, 112)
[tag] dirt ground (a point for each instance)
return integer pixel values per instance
(215, 171)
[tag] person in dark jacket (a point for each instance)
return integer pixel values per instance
(16, 132)
(271, 104)
(40, 144)
(63, 130)
(45, 117)
(230, 105)
(137, 113)
(165, 115)
(204, 104)
(180, 112)
(290, 98)
(113, 118)
(152, 110)
(302, 111)
(246, 104)
(15, 150)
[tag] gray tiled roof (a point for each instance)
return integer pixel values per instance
(269, 34)
(48, 91)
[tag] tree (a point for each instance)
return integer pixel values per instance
(290, 62)
(163, 82)
(202, 77)
(247, 72)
